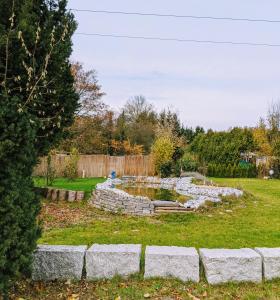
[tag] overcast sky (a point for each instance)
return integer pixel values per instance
(216, 86)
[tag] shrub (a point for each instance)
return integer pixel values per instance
(188, 163)
(176, 169)
(165, 169)
(276, 167)
(232, 171)
(50, 171)
(162, 151)
(71, 167)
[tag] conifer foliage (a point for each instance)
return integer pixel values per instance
(37, 101)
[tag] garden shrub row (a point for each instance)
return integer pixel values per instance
(232, 171)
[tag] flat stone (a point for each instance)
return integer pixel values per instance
(271, 262)
(231, 265)
(80, 196)
(62, 194)
(71, 196)
(54, 196)
(161, 203)
(106, 261)
(178, 262)
(58, 262)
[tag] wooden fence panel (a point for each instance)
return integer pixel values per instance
(92, 165)
(101, 165)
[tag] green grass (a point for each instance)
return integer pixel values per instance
(135, 288)
(79, 184)
(247, 222)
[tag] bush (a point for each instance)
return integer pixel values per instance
(232, 171)
(162, 152)
(188, 163)
(71, 168)
(50, 171)
(177, 168)
(165, 169)
(276, 167)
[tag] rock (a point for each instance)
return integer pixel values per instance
(62, 195)
(161, 203)
(58, 262)
(231, 265)
(54, 195)
(177, 262)
(49, 194)
(71, 196)
(106, 261)
(80, 196)
(271, 262)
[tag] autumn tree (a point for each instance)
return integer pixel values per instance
(167, 149)
(89, 132)
(126, 148)
(162, 152)
(88, 89)
(261, 138)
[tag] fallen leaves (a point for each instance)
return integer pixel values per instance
(147, 295)
(60, 215)
(73, 297)
(193, 297)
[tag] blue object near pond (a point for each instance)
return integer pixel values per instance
(113, 175)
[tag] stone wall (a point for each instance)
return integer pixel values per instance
(118, 201)
(107, 261)
(107, 196)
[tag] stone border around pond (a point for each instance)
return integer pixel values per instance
(108, 197)
(107, 261)
(117, 201)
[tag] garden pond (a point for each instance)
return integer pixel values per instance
(154, 192)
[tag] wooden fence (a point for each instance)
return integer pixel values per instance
(101, 165)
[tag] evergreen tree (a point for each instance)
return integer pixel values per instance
(37, 100)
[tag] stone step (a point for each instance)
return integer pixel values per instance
(172, 211)
(162, 203)
(172, 208)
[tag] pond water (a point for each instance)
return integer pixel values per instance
(153, 193)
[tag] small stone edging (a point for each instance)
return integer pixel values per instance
(186, 264)
(55, 194)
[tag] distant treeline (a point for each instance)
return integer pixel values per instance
(138, 128)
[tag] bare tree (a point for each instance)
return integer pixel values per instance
(136, 107)
(273, 117)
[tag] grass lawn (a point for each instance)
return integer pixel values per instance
(247, 222)
(79, 184)
(251, 221)
(136, 288)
